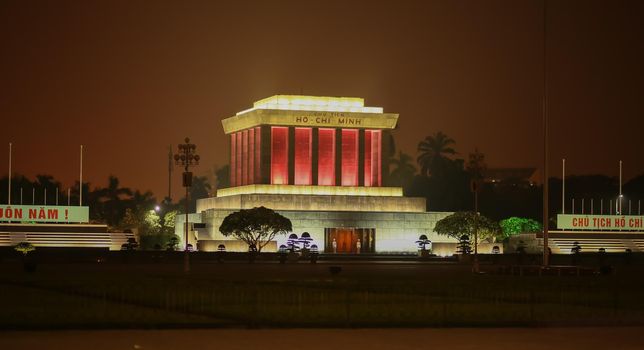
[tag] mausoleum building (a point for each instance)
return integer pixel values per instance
(319, 162)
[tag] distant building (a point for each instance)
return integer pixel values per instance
(511, 176)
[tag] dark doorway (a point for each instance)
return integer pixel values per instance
(346, 240)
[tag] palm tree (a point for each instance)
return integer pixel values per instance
(222, 175)
(113, 204)
(403, 170)
(48, 183)
(434, 149)
(142, 200)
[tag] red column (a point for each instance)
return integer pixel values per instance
(238, 158)
(373, 158)
(368, 169)
(302, 161)
(349, 157)
(279, 155)
(258, 155)
(244, 161)
(233, 160)
(251, 157)
(377, 157)
(326, 157)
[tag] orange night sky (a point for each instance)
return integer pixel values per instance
(128, 78)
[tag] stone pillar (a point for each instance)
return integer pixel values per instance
(314, 156)
(265, 154)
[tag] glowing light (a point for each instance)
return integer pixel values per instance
(372, 158)
(233, 160)
(258, 155)
(326, 157)
(251, 156)
(313, 190)
(244, 158)
(349, 157)
(279, 155)
(303, 154)
(314, 103)
(238, 158)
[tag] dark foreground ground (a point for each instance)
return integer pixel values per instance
(323, 339)
(122, 294)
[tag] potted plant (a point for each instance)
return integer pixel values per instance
(422, 243)
(293, 247)
(305, 240)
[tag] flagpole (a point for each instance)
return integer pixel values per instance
(9, 198)
(80, 184)
(563, 186)
(620, 188)
(546, 255)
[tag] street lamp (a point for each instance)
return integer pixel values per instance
(186, 157)
(475, 187)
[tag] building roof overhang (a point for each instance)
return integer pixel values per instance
(311, 111)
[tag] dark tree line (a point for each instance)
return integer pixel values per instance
(107, 204)
(444, 180)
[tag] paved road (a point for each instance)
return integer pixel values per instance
(314, 339)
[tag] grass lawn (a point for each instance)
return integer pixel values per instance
(307, 295)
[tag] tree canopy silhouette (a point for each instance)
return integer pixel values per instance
(403, 170)
(434, 150)
(464, 223)
(257, 226)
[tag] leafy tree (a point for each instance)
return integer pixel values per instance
(434, 151)
(448, 190)
(169, 222)
(223, 177)
(635, 187)
(464, 223)
(403, 170)
(257, 226)
(200, 189)
(476, 164)
(516, 225)
(151, 229)
(151, 222)
(141, 200)
(47, 182)
(172, 243)
(113, 201)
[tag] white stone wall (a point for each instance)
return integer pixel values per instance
(293, 202)
(395, 232)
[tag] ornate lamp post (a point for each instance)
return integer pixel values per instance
(186, 157)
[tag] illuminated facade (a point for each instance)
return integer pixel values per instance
(310, 141)
(319, 162)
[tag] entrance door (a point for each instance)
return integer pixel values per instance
(346, 240)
